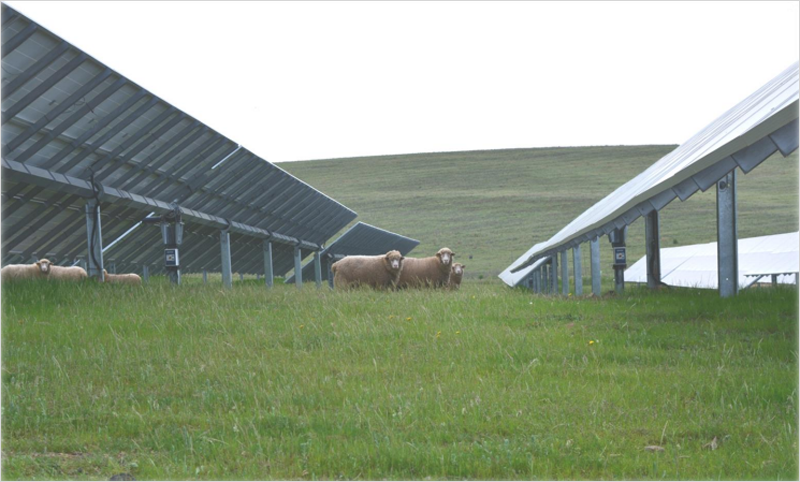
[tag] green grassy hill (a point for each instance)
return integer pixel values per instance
(494, 205)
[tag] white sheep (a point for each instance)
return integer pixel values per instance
(68, 273)
(127, 279)
(433, 271)
(38, 270)
(381, 272)
(455, 276)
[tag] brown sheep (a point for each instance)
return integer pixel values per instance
(433, 271)
(380, 272)
(127, 279)
(455, 276)
(38, 270)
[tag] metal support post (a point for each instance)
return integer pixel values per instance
(241, 276)
(576, 270)
(112, 266)
(146, 273)
(594, 255)
(95, 240)
(268, 275)
(564, 274)
(727, 236)
(328, 264)
(554, 268)
(617, 238)
(205, 276)
(545, 278)
(317, 269)
(298, 267)
(774, 280)
(653, 250)
(225, 248)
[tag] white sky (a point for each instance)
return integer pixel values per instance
(301, 80)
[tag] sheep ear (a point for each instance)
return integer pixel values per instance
(402, 258)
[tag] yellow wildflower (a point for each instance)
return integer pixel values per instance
(591, 342)
(408, 319)
(458, 332)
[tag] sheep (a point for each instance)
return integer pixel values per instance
(68, 273)
(38, 270)
(127, 279)
(380, 272)
(43, 269)
(455, 276)
(433, 271)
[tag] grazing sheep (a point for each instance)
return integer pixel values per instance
(433, 271)
(68, 273)
(381, 272)
(38, 270)
(123, 279)
(455, 276)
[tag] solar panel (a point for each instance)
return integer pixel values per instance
(746, 135)
(360, 239)
(695, 266)
(69, 115)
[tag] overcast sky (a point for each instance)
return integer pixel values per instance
(304, 80)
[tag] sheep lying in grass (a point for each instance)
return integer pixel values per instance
(68, 273)
(379, 272)
(455, 276)
(38, 270)
(433, 271)
(43, 269)
(126, 279)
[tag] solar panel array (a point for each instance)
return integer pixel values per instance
(746, 135)
(68, 118)
(360, 239)
(695, 266)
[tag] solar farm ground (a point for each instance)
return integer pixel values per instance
(484, 383)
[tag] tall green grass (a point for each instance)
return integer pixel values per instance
(484, 383)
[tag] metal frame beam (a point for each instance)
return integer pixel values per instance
(727, 237)
(594, 254)
(653, 249)
(576, 270)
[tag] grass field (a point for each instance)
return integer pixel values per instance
(494, 205)
(484, 383)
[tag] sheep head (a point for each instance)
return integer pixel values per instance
(43, 265)
(458, 269)
(445, 256)
(393, 261)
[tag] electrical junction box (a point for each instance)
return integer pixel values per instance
(619, 257)
(171, 258)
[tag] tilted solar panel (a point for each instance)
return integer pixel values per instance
(68, 114)
(762, 124)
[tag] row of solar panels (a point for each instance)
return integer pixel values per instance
(695, 266)
(70, 122)
(762, 124)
